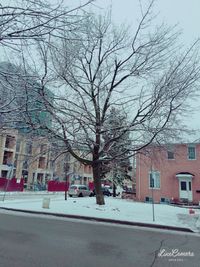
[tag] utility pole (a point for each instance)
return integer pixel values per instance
(8, 179)
(152, 188)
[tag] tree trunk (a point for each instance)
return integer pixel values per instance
(97, 184)
(114, 190)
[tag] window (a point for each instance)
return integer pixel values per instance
(7, 158)
(4, 174)
(183, 186)
(170, 154)
(42, 163)
(191, 152)
(10, 142)
(189, 186)
(18, 143)
(154, 179)
(73, 187)
(148, 199)
(28, 149)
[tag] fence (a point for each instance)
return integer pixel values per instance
(11, 185)
(56, 186)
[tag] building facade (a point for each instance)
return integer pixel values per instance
(169, 174)
(67, 167)
(24, 157)
(33, 159)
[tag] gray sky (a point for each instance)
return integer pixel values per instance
(184, 12)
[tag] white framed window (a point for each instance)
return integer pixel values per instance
(154, 179)
(191, 152)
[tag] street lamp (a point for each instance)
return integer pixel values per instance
(152, 187)
(67, 182)
(9, 176)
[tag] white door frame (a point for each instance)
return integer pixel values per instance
(187, 193)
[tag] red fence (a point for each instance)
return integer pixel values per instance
(11, 185)
(56, 186)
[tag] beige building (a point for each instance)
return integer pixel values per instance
(24, 157)
(37, 161)
(7, 152)
(33, 159)
(76, 173)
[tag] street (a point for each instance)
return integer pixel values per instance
(51, 242)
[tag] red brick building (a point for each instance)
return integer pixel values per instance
(169, 174)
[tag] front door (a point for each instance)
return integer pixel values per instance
(185, 189)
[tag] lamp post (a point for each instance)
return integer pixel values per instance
(67, 182)
(152, 187)
(9, 175)
(152, 196)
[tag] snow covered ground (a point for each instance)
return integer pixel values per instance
(119, 209)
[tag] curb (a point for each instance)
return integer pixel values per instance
(79, 217)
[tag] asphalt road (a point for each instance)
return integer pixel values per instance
(31, 241)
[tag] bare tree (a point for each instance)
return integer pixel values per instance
(22, 23)
(36, 19)
(145, 74)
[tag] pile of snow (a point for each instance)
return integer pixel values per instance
(119, 209)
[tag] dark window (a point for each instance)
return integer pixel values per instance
(7, 158)
(170, 154)
(148, 199)
(189, 186)
(183, 186)
(73, 187)
(42, 163)
(151, 181)
(4, 174)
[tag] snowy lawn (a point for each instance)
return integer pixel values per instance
(118, 209)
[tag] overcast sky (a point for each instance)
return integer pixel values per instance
(184, 12)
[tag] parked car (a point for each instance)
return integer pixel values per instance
(105, 190)
(110, 188)
(79, 191)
